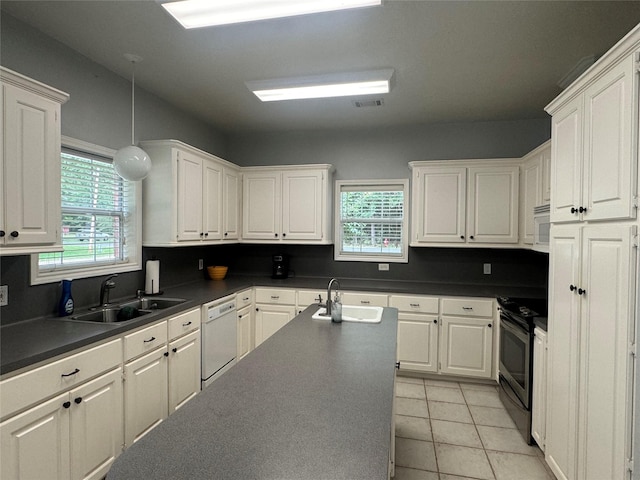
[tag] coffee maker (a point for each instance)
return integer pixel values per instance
(280, 266)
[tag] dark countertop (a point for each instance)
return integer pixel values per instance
(28, 342)
(314, 401)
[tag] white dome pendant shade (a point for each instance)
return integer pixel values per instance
(132, 163)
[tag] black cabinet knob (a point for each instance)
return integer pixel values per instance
(435, 321)
(462, 237)
(582, 209)
(574, 210)
(2, 233)
(174, 350)
(276, 234)
(166, 354)
(66, 404)
(78, 400)
(489, 325)
(572, 287)
(206, 234)
(201, 234)
(398, 365)
(284, 234)
(581, 291)
(225, 234)
(15, 234)
(471, 237)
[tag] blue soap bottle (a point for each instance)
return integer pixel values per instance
(65, 307)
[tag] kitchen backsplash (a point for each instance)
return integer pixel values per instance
(180, 265)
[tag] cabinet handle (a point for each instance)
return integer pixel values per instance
(276, 234)
(257, 309)
(245, 299)
(15, 234)
(581, 291)
(574, 210)
(186, 324)
(66, 404)
(275, 297)
(78, 400)
(166, 354)
(414, 305)
(201, 234)
(2, 233)
(239, 316)
(150, 340)
(582, 209)
(572, 287)
(77, 370)
(284, 235)
(489, 325)
(174, 350)
(467, 308)
(397, 365)
(365, 302)
(462, 237)
(206, 234)
(225, 234)
(471, 237)
(435, 321)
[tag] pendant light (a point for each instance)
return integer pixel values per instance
(132, 163)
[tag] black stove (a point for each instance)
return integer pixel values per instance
(530, 311)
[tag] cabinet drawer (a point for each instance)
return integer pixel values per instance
(276, 296)
(144, 340)
(244, 298)
(372, 299)
(468, 307)
(184, 323)
(33, 386)
(308, 297)
(414, 303)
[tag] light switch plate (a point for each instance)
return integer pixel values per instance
(4, 295)
(200, 264)
(487, 269)
(383, 267)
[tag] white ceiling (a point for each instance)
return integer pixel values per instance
(454, 61)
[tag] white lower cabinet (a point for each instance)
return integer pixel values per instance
(184, 371)
(455, 337)
(245, 321)
(539, 390)
(74, 435)
(274, 309)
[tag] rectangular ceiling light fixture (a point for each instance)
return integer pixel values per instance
(322, 86)
(207, 13)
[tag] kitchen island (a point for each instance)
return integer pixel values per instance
(314, 401)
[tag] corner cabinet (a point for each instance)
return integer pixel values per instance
(190, 197)
(465, 203)
(534, 187)
(30, 218)
(287, 204)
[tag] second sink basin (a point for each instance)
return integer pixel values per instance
(353, 313)
(153, 303)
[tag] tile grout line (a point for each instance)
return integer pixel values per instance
(475, 426)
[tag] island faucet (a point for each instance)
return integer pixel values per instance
(329, 301)
(106, 285)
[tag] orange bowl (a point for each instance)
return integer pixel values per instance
(217, 272)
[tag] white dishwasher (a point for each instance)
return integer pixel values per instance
(219, 338)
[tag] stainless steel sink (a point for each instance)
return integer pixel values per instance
(125, 311)
(153, 303)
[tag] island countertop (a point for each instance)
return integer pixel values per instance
(314, 401)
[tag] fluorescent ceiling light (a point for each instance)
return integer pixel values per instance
(321, 86)
(206, 13)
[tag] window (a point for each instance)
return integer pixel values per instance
(100, 218)
(371, 220)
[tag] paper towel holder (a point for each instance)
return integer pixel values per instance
(149, 287)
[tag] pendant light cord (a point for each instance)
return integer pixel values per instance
(133, 101)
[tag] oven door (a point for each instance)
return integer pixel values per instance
(515, 358)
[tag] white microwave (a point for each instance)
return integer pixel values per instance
(541, 228)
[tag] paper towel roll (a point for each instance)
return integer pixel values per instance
(152, 283)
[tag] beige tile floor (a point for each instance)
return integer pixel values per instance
(456, 431)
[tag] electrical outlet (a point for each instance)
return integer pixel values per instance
(487, 269)
(4, 295)
(383, 267)
(200, 264)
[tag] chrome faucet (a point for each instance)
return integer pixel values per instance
(329, 301)
(106, 285)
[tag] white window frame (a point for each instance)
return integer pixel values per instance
(133, 238)
(401, 184)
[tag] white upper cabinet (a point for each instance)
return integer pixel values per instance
(30, 218)
(464, 203)
(287, 204)
(190, 197)
(593, 157)
(535, 187)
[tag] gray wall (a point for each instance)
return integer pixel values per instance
(384, 153)
(99, 108)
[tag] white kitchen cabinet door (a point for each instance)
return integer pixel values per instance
(492, 204)
(609, 175)
(566, 161)
(97, 433)
(302, 204)
(605, 366)
(184, 370)
(546, 174)
(211, 200)
(418, 342)
(189, 202)
(539, 390)
(145, 394)
(261, 206)
(562, 350)
(231, 204)
(532, 195)
(245, 318)
(466, 346)
(31, 174)
(35, 444)
(439, 204)
(270, 319)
